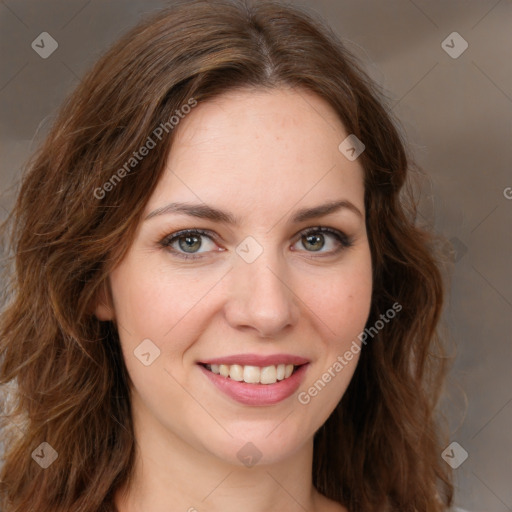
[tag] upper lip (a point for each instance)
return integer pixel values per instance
(257, 360)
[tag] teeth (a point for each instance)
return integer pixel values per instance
(253, 374)
(268, 375)
(236, 372)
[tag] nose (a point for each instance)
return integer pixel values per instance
(261, 297)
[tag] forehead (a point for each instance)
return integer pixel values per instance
(260, 146)
(267, 115)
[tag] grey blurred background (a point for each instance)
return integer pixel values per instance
(455, 107)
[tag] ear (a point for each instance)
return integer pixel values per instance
(102, 306)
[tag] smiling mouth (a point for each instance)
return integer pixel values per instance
(253, 374)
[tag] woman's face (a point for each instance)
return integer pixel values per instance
(268, 291)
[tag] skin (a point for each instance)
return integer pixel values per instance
(261, 156)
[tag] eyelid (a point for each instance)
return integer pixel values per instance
(325, 229)
(343, 240)
(183, 232)
(169, 239)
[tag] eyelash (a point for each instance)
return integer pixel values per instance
(344, 240)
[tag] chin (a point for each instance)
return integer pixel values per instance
(262, 446)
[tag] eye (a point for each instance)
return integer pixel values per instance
(189, 241)
(186, 243)
(314, 240)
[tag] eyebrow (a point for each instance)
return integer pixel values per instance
(203, 211)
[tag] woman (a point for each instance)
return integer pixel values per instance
(220, 298)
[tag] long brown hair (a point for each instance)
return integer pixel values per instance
(63, 368)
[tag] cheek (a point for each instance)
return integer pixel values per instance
(341, 302)
(150, 303)
(342, 306)
(171, 309)
(166, 305)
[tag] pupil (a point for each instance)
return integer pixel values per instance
(315, 238)
(195, 240)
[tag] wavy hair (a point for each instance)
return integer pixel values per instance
(64, 379)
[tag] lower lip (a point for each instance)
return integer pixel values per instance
(258, 394)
